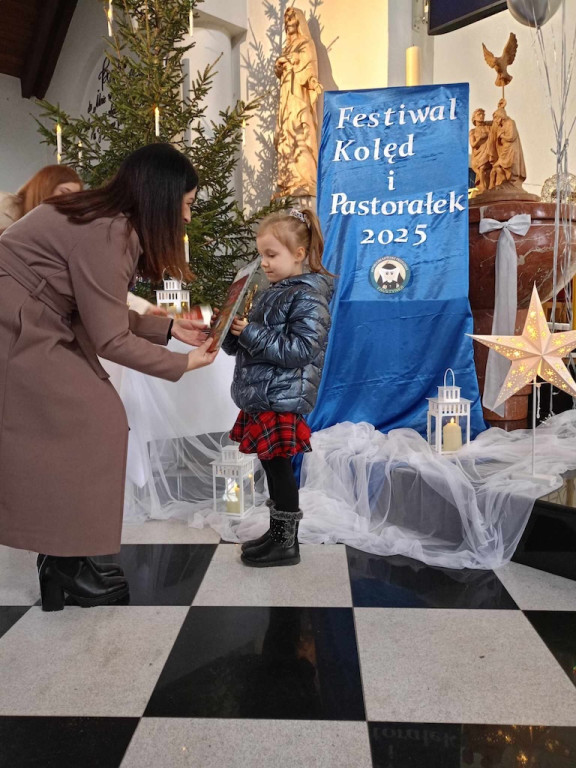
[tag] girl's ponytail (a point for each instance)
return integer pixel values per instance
(316, 245)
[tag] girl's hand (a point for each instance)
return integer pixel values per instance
(238, 325)
(200, 357)
(191, 332)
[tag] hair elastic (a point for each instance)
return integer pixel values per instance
(299, 215)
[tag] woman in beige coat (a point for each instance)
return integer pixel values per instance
(65, 269)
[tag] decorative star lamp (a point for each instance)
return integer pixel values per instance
(536, 352)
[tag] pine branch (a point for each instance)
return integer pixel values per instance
(145, 71)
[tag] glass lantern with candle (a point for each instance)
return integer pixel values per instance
(237, 470)
(448, 424)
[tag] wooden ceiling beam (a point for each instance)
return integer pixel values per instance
(49, 35)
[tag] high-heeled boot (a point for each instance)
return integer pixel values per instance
(73, 576)
(104, 569)
(282, 547)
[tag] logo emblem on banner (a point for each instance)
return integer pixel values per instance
(389, 274)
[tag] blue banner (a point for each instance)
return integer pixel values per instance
(393, 204)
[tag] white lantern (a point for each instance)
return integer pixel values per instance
(237, 470)
(448, 425)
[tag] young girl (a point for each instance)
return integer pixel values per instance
(279, 357)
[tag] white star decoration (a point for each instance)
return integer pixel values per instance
(537, 352)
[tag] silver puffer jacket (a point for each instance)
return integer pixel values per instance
(280, 353)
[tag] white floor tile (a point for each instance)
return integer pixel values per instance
(534, 590)
(319, 580)
(459, 666)
(18, 577)
(179, 743)
(86, 661)
(167, 532)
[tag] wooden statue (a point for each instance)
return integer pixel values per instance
(505, 152)
(481, 163)
(296, 138)
(501, 63)
(497, 156)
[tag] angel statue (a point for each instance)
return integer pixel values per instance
(501, 63)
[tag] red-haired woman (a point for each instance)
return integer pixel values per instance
(50, 181)
(65, 269)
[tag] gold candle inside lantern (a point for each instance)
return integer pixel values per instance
(413, 65)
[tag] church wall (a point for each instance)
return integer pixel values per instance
(458, 57)
(76, 84)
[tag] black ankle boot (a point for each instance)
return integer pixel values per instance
(281, 548)
(104, 569)
(73, 576)
(261, 539)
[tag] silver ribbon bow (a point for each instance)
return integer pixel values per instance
(505, 301)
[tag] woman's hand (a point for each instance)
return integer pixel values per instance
(201, 357)
(238, 325)
(191, 332)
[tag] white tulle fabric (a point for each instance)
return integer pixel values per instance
(387, 494)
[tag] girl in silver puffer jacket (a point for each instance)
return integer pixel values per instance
(280, 352)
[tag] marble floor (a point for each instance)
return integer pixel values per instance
(348, 659)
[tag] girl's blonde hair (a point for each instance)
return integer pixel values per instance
(298, 229)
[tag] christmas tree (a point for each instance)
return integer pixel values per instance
(148, 103)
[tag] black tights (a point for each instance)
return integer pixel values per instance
(281, 483)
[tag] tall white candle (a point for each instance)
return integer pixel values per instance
(191, 21)
(186, 249)
(79, 152)
(413, 65)
(59, 141)
(110, 15)
(156, 121)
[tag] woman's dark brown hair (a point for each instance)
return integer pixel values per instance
(148, 188)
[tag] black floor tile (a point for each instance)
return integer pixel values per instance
(558, 630)
(293, 663)
(400, 582)
(415, 745)
(433, 745)
(9, 615)
(163, 574)
(64, 742)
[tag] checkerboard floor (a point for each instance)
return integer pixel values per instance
(348, 659)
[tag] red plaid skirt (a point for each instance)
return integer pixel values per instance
(270, 434)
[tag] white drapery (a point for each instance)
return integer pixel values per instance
(388, 494)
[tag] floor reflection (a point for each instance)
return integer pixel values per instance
(163, 574)
(295, 663)
(400, 582)
(429, 745)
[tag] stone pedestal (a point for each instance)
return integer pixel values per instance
(535, 266)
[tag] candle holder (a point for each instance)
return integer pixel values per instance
(445, 432)
(237, 469)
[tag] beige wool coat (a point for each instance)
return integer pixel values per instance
(63, 428)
